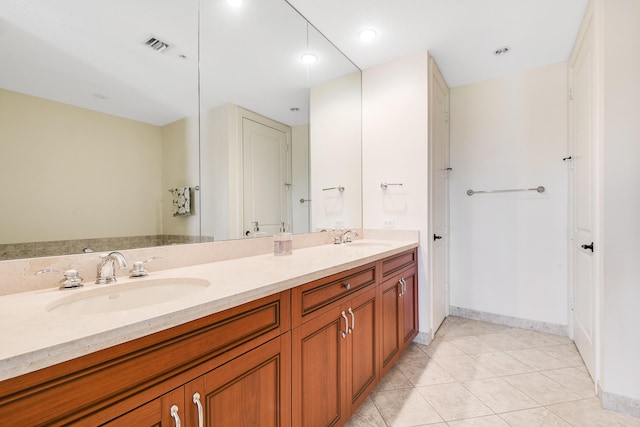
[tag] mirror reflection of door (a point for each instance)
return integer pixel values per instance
(266, 177)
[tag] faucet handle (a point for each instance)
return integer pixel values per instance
(139, 269)
(71, 278)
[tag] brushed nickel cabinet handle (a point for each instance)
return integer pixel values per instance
(196, 400)
(353, 320)
(174, 413)
(343, 334)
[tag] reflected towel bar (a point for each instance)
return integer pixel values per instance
(197, 188)
(539, 189)
(340, 188)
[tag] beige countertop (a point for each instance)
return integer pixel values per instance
(34, 338)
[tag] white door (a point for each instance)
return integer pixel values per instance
(583, 209)
(439, 197)
(266, 178)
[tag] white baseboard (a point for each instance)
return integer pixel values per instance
(549, 328)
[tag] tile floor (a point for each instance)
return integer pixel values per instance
(482, 374)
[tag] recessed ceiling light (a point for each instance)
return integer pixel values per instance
(367, 35)
(502, 50)
(309, 58)
(234, 3)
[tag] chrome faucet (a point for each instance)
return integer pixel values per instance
(348, 235)
(107, 267)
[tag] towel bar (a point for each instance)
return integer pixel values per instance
(539, 189)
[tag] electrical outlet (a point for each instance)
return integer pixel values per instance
(388, 223)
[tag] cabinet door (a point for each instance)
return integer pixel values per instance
(251, 390)
(362, 353)
(319, 361)
(157, 413)
(409, 319)
(390, 310)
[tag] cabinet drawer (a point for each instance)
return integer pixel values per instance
(309, 298)
(398, 262)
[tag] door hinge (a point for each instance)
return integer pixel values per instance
(571, 94)
(571, 304)
(446, 117)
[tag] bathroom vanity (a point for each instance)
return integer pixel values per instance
(297, 340)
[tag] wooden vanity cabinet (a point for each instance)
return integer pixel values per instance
(101, 386)
(335, 347)
(308, 357)
(398, 296)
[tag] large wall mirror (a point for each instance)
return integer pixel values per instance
(136, 123)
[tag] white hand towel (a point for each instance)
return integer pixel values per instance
(181, 201)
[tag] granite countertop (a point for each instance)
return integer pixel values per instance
(34, 338)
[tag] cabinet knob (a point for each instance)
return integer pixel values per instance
(347, 286)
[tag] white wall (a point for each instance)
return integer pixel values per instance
(509, 251)
(335, 150)
(620, 311)
(300, 177)
(394, 139)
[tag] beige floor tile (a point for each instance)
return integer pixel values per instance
(536, 417)
(473, 327)
(423, 371)
(537, 359)
(490, 421)
(404, 407)
(394, 379)
(454, 402)
(589, 413)
(502, 364)
(575, 379)
(499, 395)
(367, 415)
(503, 341)
(464, 368)
(471, 345)
(538, 339)
(565, 352)
(542, 389)
(441, 348)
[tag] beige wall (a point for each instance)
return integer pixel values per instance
(180, 168)
(72, 173)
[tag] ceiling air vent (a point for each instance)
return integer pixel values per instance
(156, 44)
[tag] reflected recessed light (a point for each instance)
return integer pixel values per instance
(502, 50)
(234, 3)
(367, 35)
(309, 58)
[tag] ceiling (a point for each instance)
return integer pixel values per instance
(461, 35)
(91, 53)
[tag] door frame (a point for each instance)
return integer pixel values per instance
(589, 28)
(236, 168)
(433, 73)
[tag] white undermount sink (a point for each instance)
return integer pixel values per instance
(127, 296)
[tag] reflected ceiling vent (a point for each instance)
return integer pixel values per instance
(156, 44)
